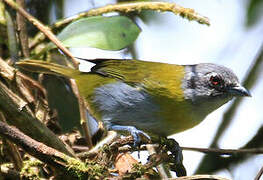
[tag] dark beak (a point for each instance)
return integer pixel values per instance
(239, 91)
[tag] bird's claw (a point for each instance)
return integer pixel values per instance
(176, 156)
(136, 134)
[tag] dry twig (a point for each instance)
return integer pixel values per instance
(83, 116)
(22, 30)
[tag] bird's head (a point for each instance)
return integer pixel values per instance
(209, 86)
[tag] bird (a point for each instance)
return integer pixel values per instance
(147, 98)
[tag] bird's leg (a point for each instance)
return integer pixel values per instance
(136, 134)
(176, 155)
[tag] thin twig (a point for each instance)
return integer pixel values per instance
(208, 150)
(22, 30)
(82, 111)
(160, 167)
(259, 174)
(107, 140)
(43, 29)
(225, 151)
(200, 177)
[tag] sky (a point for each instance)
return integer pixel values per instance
(172, 39)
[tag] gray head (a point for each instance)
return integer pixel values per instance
(210, 85)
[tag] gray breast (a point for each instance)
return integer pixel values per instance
(122, 104)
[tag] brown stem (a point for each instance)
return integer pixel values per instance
(22, 30)
(82, 110)
(13, 150)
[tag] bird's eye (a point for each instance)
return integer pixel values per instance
(215, 80)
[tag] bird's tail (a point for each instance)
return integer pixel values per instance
(47, 68)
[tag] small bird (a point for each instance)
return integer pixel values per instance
(149, 98)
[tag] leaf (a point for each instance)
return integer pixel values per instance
(254, 11)
(108, 33)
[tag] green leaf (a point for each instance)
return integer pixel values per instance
(108, 33)
(254, 11)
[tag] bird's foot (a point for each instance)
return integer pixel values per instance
(136, 134)
(176, 155)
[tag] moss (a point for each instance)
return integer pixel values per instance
(89, 170)
(30, 169)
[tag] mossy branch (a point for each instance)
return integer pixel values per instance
(187, 13)
(69, 166)
(18, 111)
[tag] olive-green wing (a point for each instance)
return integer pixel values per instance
(159, 79)
(129, 71)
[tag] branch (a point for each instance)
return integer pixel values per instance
(190, 14)
(163, 172)
(22, 30)
(12, 151)
(17, 110)
(83, 116)
(215, 163)
(187, 13)
(53, 38)
(225, 151)
(43, 29)
(200, 177)
(61, 162)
